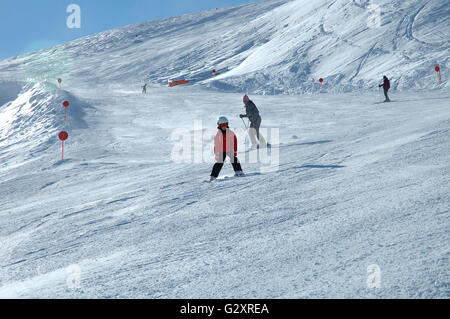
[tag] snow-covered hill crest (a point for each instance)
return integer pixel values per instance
(277, 46)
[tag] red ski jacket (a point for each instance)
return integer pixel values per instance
(225, 142)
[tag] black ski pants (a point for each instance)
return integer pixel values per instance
(386, 94)
(218, 166)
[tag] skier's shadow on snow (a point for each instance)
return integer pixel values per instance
(312, 166)
(318, 166)
(306, 143)
(425, 99)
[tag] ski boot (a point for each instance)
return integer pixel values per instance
(239, 173)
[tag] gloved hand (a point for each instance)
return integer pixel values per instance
(241, 116)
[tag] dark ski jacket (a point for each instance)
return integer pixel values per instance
(252, 111)
(386, 84)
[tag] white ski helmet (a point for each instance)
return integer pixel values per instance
(222, 120)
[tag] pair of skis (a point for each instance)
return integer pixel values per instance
(228, 177)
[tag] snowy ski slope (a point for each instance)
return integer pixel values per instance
(358, 183)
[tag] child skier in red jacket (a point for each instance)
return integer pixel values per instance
(225, 144)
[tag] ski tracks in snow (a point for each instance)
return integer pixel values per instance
(363, 61)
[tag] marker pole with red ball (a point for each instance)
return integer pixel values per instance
(321, 83)
(59, 84)
(63, 135)
(438, 70)
(66, 105)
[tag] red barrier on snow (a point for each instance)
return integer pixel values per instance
(63, 135)
(66, 105)
(175, 83)
(438, 70)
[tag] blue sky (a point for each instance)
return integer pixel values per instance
(29, 25)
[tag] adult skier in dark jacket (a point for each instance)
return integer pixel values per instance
(252, 113)
(386, 86)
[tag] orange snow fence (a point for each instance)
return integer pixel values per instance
(175, 83)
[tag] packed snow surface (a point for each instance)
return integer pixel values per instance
(351, 201)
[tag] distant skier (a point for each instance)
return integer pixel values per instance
(252, 113)
(386, 86)
(144, 89)
(225, 144)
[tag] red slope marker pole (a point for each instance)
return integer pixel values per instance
(438, 70)
(321, 83)
(63, 135)
(59, 84)
(66, 105)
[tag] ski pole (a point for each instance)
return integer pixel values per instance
(246, 128)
